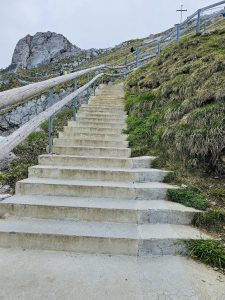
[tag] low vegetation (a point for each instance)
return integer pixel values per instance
(176, 112)
(210, 252)
(188, 197)
(30, 149)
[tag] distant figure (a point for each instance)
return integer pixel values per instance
(132, 50)
(61, 72)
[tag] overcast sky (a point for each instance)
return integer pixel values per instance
(87, 23)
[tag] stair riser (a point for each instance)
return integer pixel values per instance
(107, 105)
(97, 137)
(95, 175)
(90, 191)
(97, 125)
(77, 244)
(92, 151)
(101, 108)
(111, 101)
(101, 114)
(92, 130)
(94, 143)
(85, 162)
(121, 120)
(97, 214)
(162, 247)
(93, 245)
(102, 123)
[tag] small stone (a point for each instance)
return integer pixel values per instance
(184, 186)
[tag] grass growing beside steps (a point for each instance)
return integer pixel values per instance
(175, 108)
(188, 197)
(29, 150)
(210, 252)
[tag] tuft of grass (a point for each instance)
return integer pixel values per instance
(210, 252)
(188, 197)
(212, 219)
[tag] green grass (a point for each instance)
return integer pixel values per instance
(179, 98)
(213, 219)
(210, 252)
(188, 197)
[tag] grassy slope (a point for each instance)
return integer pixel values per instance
(176, 112)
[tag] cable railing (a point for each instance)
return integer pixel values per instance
(201, 21)
(197, 22)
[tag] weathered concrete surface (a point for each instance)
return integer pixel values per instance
(41, 275)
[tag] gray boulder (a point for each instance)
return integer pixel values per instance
(42, 48)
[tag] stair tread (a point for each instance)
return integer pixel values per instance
(99, 183)
(100, 229)
(92, 147)
(99, 157)
(110, 169)
(102, 203)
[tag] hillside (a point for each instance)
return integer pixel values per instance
(177, 113)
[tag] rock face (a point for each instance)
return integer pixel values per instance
(42, 48)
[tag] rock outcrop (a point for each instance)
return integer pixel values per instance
(42, 48)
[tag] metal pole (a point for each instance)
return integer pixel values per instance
(102, 80)
(75, 101)
(198, 28)
(88, 89)
(178, 32)
(159, 48)
(95, 73)
(50, 124)
(137, 57)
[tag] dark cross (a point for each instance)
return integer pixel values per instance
(181, 12)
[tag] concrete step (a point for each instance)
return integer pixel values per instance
(94, 237)
(91, 188)
(94, 161)
(95, 130)
(97, 210)
(89, 142)
(118, 125)
(105, 119)
(98, 173)
(92, 151)
(102, 108)
(96, 136)
(98, 113)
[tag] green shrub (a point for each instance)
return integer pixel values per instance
(210, 252)
(188, 197)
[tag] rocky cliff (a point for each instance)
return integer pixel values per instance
(42, 48)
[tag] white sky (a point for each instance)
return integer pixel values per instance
(87, 23)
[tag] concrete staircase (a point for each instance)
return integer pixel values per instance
(91, 197)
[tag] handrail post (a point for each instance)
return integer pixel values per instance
(102, 80)
(198, 28)
(205, 25)
(50, 124)
(88, 89)
(137, 56)
(178, 32)
(94, 88)
(159, 48)
(75, 101)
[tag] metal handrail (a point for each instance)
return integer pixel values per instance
(16, 95)
(10, 142)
